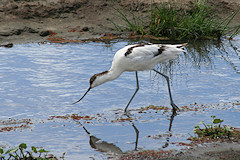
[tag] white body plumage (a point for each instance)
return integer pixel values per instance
(137, 57)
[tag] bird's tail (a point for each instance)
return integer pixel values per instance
(181, 45)
(176, 47)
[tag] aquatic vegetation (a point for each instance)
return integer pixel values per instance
(21, 152)
(214, 131)
(169, 21)
(15, 124)
(165, 108)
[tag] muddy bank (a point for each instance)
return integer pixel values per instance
(25, 21)
(215, 151)
(230, 151)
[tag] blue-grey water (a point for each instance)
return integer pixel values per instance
(38, 81)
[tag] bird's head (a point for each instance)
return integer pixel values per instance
(95, 80)
(98, 79)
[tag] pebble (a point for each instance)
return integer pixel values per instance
(85, 29)
(44, 33)
(7, 45)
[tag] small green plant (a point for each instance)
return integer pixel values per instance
(21, 152)
(214, 131)
(135, 25)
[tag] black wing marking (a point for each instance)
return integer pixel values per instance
(129, 51)
(160, 50)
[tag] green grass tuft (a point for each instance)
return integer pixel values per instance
(136, 24)
(195, 23)
(169, 20)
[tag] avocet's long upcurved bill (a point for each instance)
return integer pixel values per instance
(83, 96)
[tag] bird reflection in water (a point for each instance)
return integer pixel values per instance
(169, 130)
(103, 146)
(106, 147)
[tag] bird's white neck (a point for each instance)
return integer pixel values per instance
(106, 76)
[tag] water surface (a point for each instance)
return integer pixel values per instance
(38, 81)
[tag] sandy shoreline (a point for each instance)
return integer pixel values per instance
(29, 21)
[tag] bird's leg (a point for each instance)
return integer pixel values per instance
(169, 91)
(137, 88)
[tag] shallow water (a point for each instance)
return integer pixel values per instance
(38, 81)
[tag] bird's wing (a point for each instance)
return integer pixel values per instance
(142, 50)
(152, 50)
